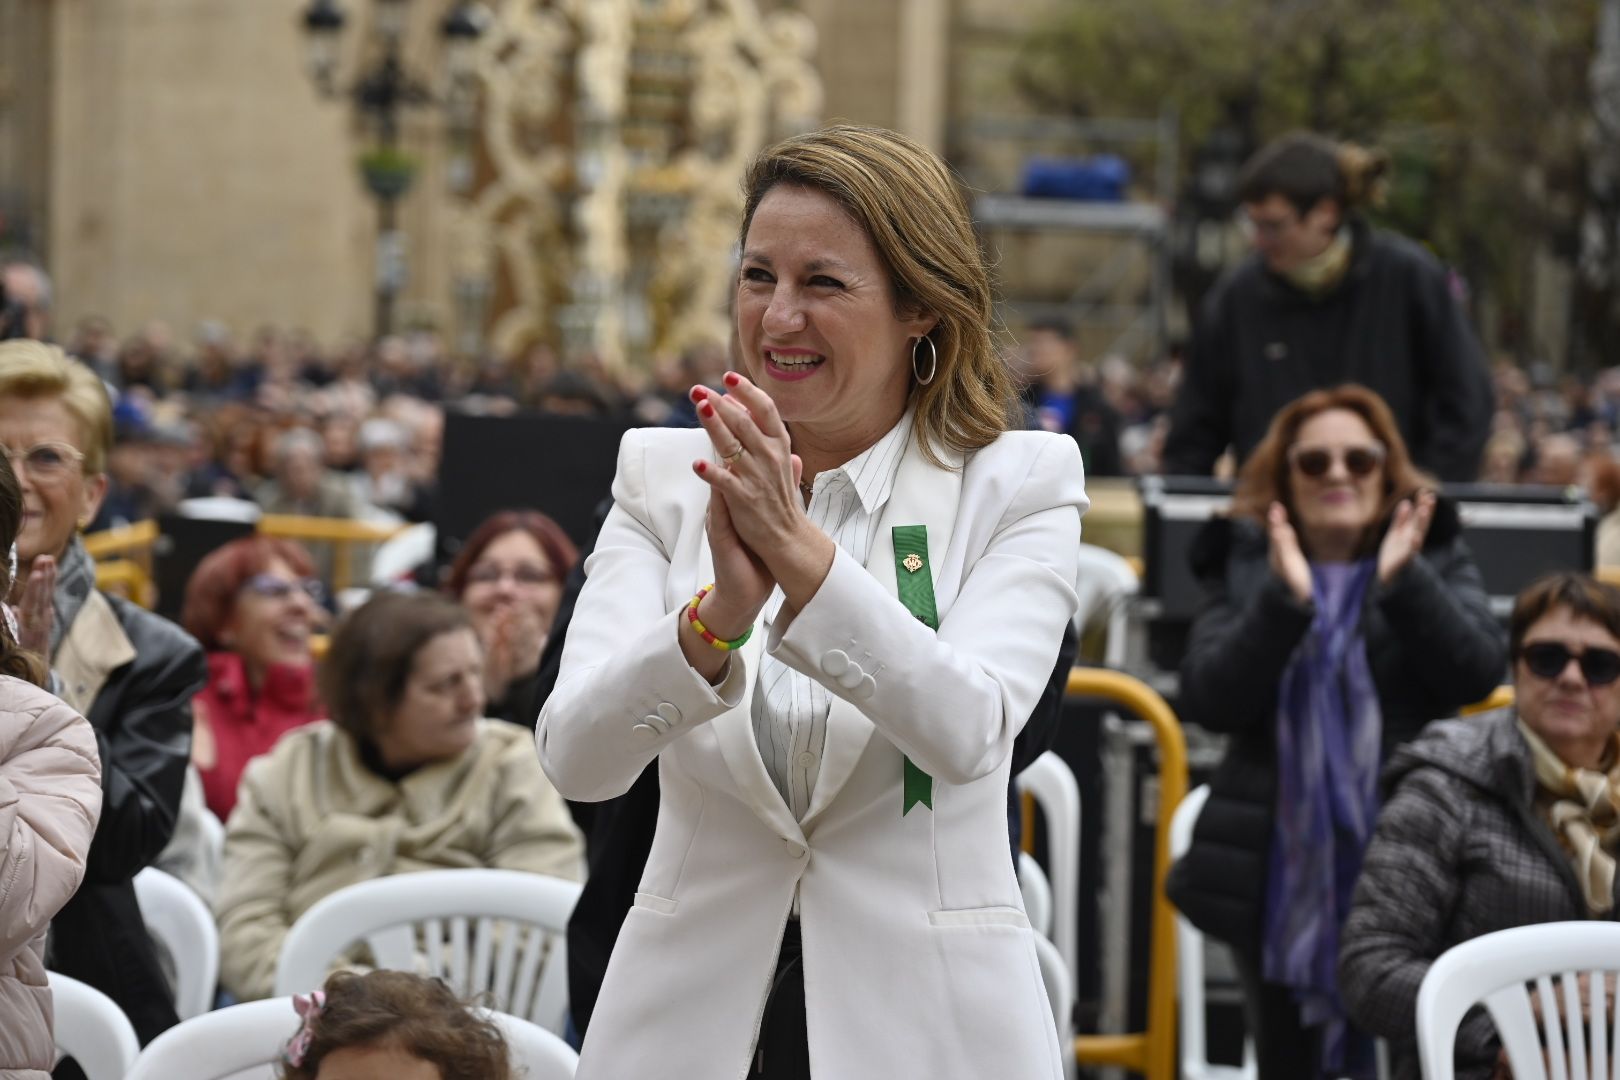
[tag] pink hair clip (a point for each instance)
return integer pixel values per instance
(308, 1007)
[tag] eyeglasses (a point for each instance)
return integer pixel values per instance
(46, 460)
(489, 574)
(1315, 461)
(272, 587)
(1548, 659)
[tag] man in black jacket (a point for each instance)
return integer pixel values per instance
(1327, 299)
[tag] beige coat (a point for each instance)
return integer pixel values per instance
(50, 800)
(311, 819)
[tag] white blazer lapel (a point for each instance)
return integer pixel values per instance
(924, 494)
(734, 729)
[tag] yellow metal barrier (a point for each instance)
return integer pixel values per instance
(1152, 1053)
(133, 542)
(1500, 697)
(341, 533)
(125, 576)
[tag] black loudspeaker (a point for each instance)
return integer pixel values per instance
(560, 465)
(182, 543)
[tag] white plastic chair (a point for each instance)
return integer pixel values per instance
(1037, 894)
(92, 1029)
(244, 1042)
(1060, 993)
(181, 923)
(498, 932)
(1195, 1063)
(1492, 970)
(1057, 793)
(1106, 580)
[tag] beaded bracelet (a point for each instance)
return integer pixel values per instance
(703, 631)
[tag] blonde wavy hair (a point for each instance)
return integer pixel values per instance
(33, 369)
(912, 207)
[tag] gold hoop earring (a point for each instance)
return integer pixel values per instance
(933, 361)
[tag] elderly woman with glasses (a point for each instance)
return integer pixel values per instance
(1495, 821)
(509, 576)
(130, 673)
(1345, 612)
(253, 604)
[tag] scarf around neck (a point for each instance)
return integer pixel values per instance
(1329, 731)
(75, 580)
(1583, 808)
(1322, 272)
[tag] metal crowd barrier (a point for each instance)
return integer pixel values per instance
(124, 555)
(1151, 1053)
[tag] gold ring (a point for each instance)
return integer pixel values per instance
(732, 458)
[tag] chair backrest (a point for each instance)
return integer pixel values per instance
(244, 1042)
(181, 923)
(1195, 1063)
(1060, 993)
(1493, 970)
(1106, 580)
(1057, 793)
(1037, 894)
(545, 1056)
(494, 932)
(92, 1029)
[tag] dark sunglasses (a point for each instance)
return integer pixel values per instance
(1548, 659)
(277, 588)
(1315, 461)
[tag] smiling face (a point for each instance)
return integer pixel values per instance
(273, 619)
(1334, 509)
(512, 571)
(437, 715)
(816, 320)
(58, 503)
(1572, 717)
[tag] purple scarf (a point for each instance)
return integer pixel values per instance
(1328, 745)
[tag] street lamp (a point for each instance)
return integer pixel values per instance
(381, 92)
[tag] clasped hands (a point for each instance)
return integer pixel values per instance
(759, 534)
(1401, 544)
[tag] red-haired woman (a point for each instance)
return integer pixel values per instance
(1345, 613)
(253, 604)
(509, 576)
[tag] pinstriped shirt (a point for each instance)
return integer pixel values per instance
(789, 709)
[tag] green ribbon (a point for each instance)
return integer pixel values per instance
(915, 584)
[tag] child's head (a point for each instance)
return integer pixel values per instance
(396, 1025)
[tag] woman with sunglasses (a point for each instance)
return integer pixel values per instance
(253, 604)
(1345, 612)
(1495, 821)
(509, 576)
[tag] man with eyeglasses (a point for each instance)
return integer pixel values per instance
(1327, 299)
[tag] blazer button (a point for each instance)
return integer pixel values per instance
(670, 713)
(656, 722)
(851, 677)
(796, 851)
(645, 732)
(867, 687)
(835, 662)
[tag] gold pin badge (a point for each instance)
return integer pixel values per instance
(912, 563)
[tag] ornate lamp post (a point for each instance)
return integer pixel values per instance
(380, 93)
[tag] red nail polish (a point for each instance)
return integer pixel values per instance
(732, 378)
(702, 467)
(706, 409)
(699, 393)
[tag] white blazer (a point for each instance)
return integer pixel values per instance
(918, 959)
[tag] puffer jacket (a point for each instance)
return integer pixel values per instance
(1459, 852)
(50, 800)
(1432, 645)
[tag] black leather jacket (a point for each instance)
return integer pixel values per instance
(142, 720)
